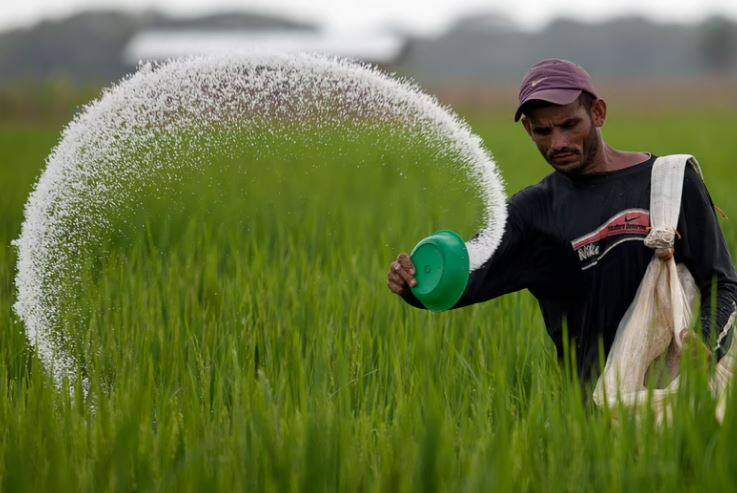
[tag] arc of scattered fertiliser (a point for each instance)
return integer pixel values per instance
(89, 162)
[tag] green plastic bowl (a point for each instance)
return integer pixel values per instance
(441, 270)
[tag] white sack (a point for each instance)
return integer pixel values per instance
(659, 318)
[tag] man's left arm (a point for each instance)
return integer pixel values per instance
(704, 251)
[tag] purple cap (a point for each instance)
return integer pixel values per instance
(555, 81)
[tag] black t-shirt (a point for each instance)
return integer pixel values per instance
(577, 245)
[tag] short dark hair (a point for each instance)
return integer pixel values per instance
(585, 99)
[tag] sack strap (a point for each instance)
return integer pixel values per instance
(666, 189)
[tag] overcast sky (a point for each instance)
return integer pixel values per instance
(420, 16)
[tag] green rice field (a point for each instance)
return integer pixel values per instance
(237, 334)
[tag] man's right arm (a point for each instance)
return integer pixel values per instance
(505, 272)
(508, 268)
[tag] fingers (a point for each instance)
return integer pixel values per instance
(398, 278)
(395, 280)
(395, 288)
(406, 271)
(406, 263)
(401, 274)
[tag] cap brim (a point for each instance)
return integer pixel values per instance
(555, 96)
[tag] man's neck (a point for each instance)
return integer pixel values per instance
(610, 159)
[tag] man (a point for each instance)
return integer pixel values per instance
(575, 240)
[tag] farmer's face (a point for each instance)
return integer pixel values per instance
(567, 136)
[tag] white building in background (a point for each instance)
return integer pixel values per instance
(376, 48)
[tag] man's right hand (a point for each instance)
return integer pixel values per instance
(401, 275)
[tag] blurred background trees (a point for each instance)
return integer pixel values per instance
(56, 65)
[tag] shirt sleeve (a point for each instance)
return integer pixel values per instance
(704, 251)
(506, 270)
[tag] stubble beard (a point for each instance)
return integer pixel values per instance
(590, 150)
